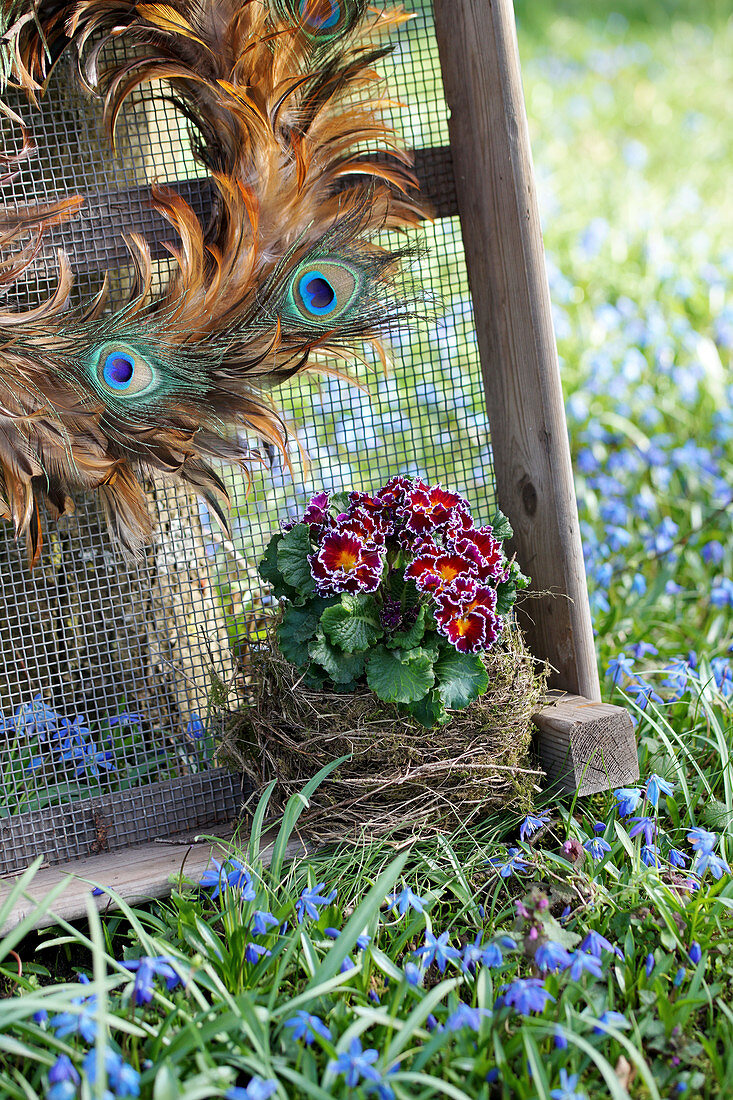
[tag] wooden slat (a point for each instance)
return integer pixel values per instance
(504, 254)
(586, 746)
(137, 875)
(92, 242)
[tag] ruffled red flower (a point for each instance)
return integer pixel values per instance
(394, 493)
(345, 563)
(365, 524)
(435, 571)
(485, 551)
(316, 515)
(466, 615)
(429, 508)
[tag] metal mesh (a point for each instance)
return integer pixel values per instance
(136, 652)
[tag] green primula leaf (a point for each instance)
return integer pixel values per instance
(408, 639)
(461, 678)
(338, 503)
(353, 624)
(297, 629)
(506, 597)
(501, 527)
(341, 667)
(269, 571)
(429, 711)
(292, 559)
(399, 677)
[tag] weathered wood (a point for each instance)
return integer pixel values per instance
(503, 243)
(586, 746)
(138, 875)
(117, 819)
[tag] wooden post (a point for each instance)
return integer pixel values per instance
(506, 266)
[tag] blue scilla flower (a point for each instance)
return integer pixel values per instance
(559, 1038)
(146, 970)
(609, 1018)
(513, 862)
(532, 824)
(650, 855)
(311, 900)
(678, 675)
(709, 861)
(620, 666)
(646, 826)
(695, 952)
(437, 950)
(525, 995)
(414, 974)
(63, 1069)
(122, 1079)
(678, 858)
(597, 847)
(649, 964)
(551, 956)
(36, 719)
(642, 649)
(628, 799)
(253, 952)
(721, 593)
(679, 977)
(304, 1027)
(581, 962)
(642, 692)
(257, 1089)
(261, 921)
(656, 786)
(485, 954)
(356, 1065)
(466, 1017)
(82, 1023)
(63, 1090)
(228, 875)
(702, 840)
(596, 944)
(405, 900)
(125, 718)
(568, 1085)
(195, 728)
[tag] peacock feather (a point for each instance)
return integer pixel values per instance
(281, 97)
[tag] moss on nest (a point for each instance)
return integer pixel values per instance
(401, 777)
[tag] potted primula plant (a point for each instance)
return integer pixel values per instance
(394, 617)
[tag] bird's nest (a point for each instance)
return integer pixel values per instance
(400, 777)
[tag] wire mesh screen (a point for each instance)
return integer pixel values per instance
(112, 669)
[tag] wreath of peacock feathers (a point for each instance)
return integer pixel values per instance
(282, 99)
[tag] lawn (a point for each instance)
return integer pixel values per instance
(588, 949)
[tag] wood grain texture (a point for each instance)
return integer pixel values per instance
(586, 746)
(505, 257)
(138, 875)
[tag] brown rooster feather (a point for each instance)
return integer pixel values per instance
(282, 98)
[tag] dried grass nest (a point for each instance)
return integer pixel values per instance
(400, 778)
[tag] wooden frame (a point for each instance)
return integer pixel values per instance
(497, 203)
(585, 745)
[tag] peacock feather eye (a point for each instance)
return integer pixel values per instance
(318, 16)
(121, 370)
(323, 290)
(323, 21)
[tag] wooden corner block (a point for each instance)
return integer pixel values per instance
(586, 746)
